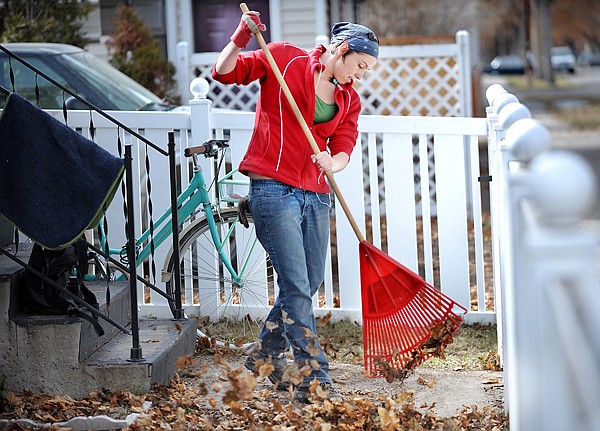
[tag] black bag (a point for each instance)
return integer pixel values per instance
(66, 268)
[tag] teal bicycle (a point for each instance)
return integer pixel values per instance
(227, 281)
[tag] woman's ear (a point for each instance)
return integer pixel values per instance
(343, 48)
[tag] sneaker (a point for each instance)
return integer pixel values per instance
(326, 390)
(276, 376)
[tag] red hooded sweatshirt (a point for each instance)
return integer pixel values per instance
(278, 148)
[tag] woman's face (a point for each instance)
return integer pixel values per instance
(352, 66)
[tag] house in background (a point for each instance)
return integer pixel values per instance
(191, 32)
(207, 24)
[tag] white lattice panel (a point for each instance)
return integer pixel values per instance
(240, 98)
(425, 86)
(425, 80)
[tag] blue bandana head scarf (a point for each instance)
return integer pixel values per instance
(358, 37)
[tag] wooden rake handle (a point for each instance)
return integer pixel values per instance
(301, 120)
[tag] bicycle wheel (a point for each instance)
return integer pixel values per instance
(230, 312)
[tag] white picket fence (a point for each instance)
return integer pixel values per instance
(408, 80)
(546, 271)
(445, 248)
(546, 286)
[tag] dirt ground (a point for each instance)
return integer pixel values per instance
(445, 392)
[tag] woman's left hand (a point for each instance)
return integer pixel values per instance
(323, 161)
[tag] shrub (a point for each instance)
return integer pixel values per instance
(137, 54)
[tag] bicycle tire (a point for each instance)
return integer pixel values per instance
(229, 314)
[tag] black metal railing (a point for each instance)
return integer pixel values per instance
(136, 350)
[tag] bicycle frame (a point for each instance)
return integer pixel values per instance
(195, 196)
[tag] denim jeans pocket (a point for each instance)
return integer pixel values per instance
(269, 189)
(324, 198)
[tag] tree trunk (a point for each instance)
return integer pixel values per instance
(527, 50)
(541, 38)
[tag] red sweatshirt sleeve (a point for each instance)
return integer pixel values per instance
(344, 137)
(249, 67)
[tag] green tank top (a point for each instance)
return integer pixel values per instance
(324, 111)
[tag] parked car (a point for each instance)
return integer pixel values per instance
(562, 59)
(588, 59)
(506, 65)
(78, 70)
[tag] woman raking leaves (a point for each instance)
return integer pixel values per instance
(289, 197)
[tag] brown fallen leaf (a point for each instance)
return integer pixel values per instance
(184, 361)
(325, 319)
(422, 381)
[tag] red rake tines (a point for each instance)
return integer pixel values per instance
(405, 319)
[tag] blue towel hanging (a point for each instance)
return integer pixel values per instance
(54, 182)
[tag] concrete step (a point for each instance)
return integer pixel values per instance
(9, 274)
(89, 341)
(43, 357)
(64, 355)
(119, 310)
(162, 342)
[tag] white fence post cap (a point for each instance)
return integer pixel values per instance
(563, 185)
(492, 91)
(199, 88)
(503, 100)
(512, 113)
(527, 138)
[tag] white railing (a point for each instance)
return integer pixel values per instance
(446, 249)
(546, 273)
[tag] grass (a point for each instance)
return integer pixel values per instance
(524, 82)
(474, 346)
(584, 117)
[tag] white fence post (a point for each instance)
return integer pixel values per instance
(464, 61)
(546, 274)
(200, 107)
(182, 70)
(200, 119)
(500, 117)
(565, 283)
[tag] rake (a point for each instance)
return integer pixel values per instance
(405, 319)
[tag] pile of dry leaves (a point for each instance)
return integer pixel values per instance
(400, 366)
(236, 401)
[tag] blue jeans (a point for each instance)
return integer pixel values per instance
(293, 227)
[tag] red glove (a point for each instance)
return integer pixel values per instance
(243, 35)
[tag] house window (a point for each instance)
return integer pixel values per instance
(215, 20)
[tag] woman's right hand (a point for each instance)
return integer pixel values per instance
(243, 34)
